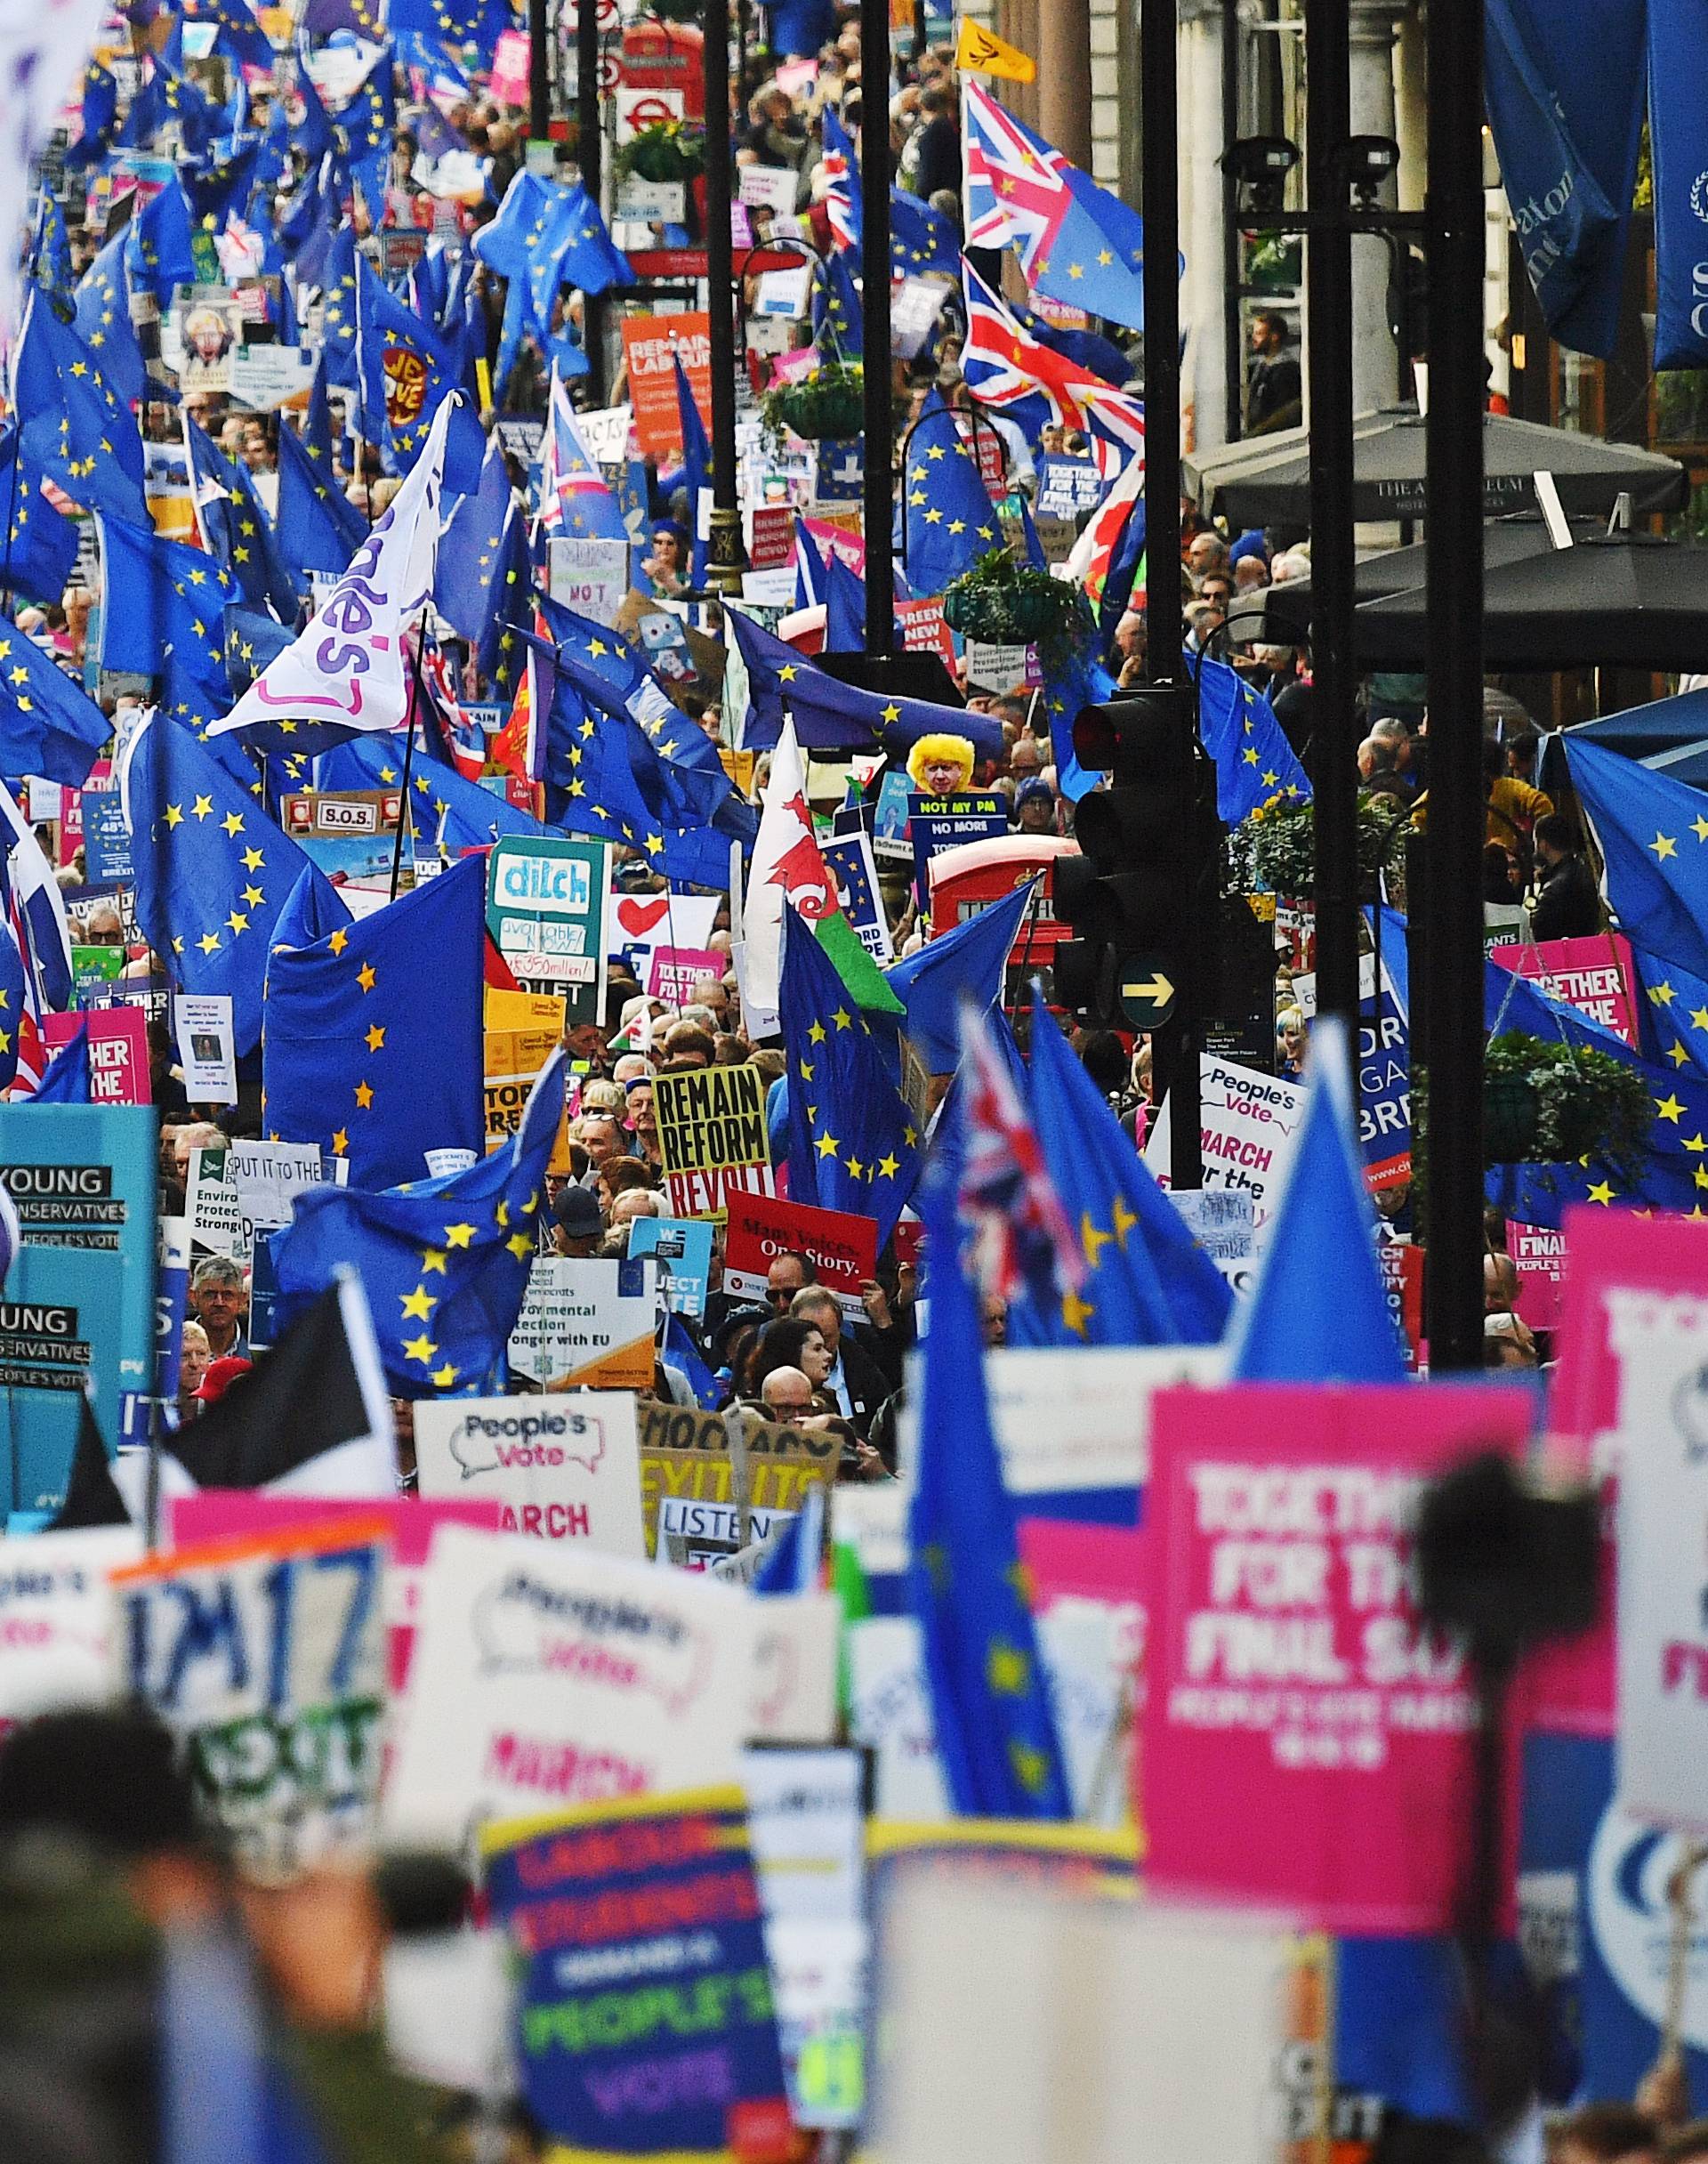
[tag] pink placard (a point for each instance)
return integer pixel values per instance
(1592, 974)
(510, 58)
(1539, 1253)
(1066, 1561)
(827, 538)
(675, 968)
(215, 1512)
(1305, 1742)
(1608, 1249)
(118, 1051)
(1570, 1686)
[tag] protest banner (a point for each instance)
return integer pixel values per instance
(546, 1675)
(206, 1047)
(924, 629)
(1593, 974)
(681, 1247)
(266, 1657)
(1068, 486)
(637, 925)
(590, 577)
(673, 970)
(937, 823)
(689, 1456)
(651, 347)
(713, 1138)
(56, 1617)
(79, 1309)
(118, 1052)
(351, 833)
(521, 1031)
(848, 859)
(558, 1468)
(587, 1323)
(1538, 1253)
(1631, 1338)
(844, 1249)
(1250, 1122)
(547, 902)
(639, 2036)
(1301, 1726)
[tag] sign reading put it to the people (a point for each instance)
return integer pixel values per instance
(711, 1137)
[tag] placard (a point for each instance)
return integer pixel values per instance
(1250, 1123)
(547, 901)
(558, 1468)
(651, 345)
(937, 823)
(1593, 974)
(1301, 1725)
(587, 1323)
(925, 630)
(207, 1047)
(640, 2035)
(681, 1247)
(56, 1618)
(843, 1247)
(1002, 669)
(673, 970)
(545, 1677)
(713, 1138)
(1068, 486)
(849, 861)
(606, 432)
(106, 838)
(638, 923)
(266, 1656)
(118, 1051)
(688, 1455)
(1636, 1297)
(522, 1031)
(590, 577)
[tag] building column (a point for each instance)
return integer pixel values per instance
(1202, 240)
(1375, 359)
(1064, 56)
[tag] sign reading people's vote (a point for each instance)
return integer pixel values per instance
(1301, 1727)
(563, 1467)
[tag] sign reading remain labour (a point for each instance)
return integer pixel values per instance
(712, 1139)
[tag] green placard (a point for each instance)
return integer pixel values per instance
(547, 900)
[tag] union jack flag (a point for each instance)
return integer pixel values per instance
(464, 739)
(35, 950)
(1017, 195)
(1021, 1239)
(1006, 365)
(573, 497)
(842, 184)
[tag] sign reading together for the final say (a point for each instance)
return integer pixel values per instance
(713, 1138)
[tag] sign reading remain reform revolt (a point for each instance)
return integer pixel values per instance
(712, 1134)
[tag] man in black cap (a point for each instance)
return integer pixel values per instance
(579, 1225)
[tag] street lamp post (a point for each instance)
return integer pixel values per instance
(879, 484)
(725, 554)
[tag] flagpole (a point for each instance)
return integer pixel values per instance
(724, 555)
(879, 472)
(405, 816)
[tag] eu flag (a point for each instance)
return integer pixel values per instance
(238, 530)
(449, 813)
(832, 716)
(853, 1141)
(1253, 759)
(1148, 1282)
(947, 522)
(337, 278)
(990, 1697)
(103, 321)
(444, 1262)
(159, 255)
(611, 657)
(468, 577)
(968, 963)
(318, 527)
(1321, 1312)
(41, 550)
(372, 1046)
(171, 624)
(405, 377)
(47, 725)
(1654, 837)
(73, 424)
(212, 871)
(100, 112)
(838, 326)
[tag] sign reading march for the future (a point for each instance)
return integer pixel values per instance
(713, 1138)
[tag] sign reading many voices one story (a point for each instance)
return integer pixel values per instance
(713, 1138)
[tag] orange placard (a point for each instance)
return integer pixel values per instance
(651, 347)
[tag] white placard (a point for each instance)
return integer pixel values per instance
(56, 1615)
(795, 1664)
(590, 577)
(206, 1048)
(782, 293)
(1250, 1123)
(774, 186)
(564, 1467)
(650, 202)
(544, 1676)
(914, 307)
(891, 1714)
(587, 1323)
(606, 432)
(635, 923)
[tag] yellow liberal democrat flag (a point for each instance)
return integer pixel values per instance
(980, 52)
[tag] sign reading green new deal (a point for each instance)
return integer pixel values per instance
(547, 905)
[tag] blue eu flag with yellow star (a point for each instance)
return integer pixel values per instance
(990, 1697)
(319, 529)
(448, 814)
(947, 521)
(1148, 1282)
(853, 1140)
(73, 424)
(47, 725)
(372, 1046)
(829, 714)
(444, 1262)
(171, 624)
(1654, 837)
(212, 871)
(41, 546)
(1253, 759)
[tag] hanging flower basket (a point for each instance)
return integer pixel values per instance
(1510, 1114)
(1586, 1103)
(1002, 602)
(668, 152)
(828, 406)
(1284, 842)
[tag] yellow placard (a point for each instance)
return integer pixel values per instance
(980, 52)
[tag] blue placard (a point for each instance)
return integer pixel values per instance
(682, 1247)
(1067, 487)
(847, 859)
(106, 838)
(890, 826)
(79, 1303)
(937, 823)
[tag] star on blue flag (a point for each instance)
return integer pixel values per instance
(444, 1262)
(238, 530)
(404, 376)
(968, 963)
(1653, 833)
(172, 626)
(447, 813)
(48, 725)
(1253, 760)
(73, 426)
(318, 527)
(373, 1043)
(103, 321)
(40, 545)
(482, 586)
(832, 715)
(159, 256)
(99, 113)
(947, 521)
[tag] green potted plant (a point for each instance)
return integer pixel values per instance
(1002, 601)
(827, 405)
(668, 150)
(1549, 1103)
(1283, 843)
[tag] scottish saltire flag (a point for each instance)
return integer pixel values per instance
(947, 521)
(575, 501)
(990, 1697)
(853, 1138)
(968, 963)
(171, 624)
(319, 529)
(372, 1046)
(1021, 1239)
(34, 948)
(842, 171)
(830, 715)
(1077, 242)
(41, 546)
(1320, 1310)
(48, 725)
(1253, 760)
(1008, 367)
(444, 1262)
(212, 871)
(72, 424)
(1147, 1281)
(47, 51)
(350, 671)
(1652, 835)
(809, 568)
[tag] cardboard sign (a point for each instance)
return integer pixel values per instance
(681, 1247)
(629, 2044)
(587, 1324)
(206, 1047)
(1636, 1292)
(1593, 974)
(937, 823)
(267, 1658)
(688, 1455)
(1002, 669)
(547, 903)
(651, 345)
(590, 577)
(1250, 1123)
(638, 924)
(843, 1247)
(1301, 1725)
(849, 861)
(673, 970)
(924, 629)
(547, 1676)
(713, 1137)
(118, 1052)
(351, 833)
(558, 1468)
(522, 1031)
(56, 1617)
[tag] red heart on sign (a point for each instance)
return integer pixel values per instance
(637, 916)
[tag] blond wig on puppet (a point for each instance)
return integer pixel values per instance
(930, 749)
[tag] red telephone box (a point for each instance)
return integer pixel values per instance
(964, 881)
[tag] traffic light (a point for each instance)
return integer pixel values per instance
(1143, 896)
